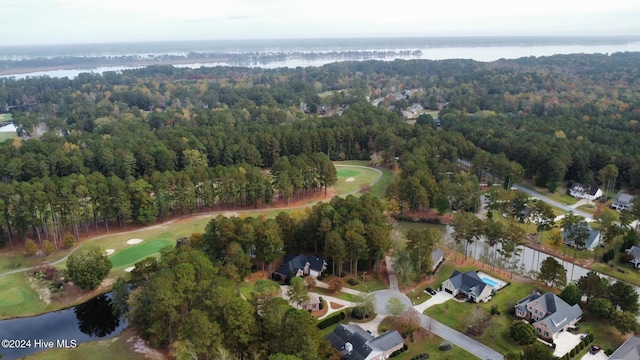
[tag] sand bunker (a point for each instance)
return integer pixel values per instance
(129, 269)
(134, 241)
(350, 179)
(109, 251)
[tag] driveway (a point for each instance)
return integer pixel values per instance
(565, 341)
(600, 355)
(439, 298)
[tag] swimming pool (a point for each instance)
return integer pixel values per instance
(489, 282)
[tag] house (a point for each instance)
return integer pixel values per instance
(313, 304)
(437, 257)
(301, 265)
(595, 238)
(634, 251)
(355, 343)
(468, 284)
(585, 192)
(548, 314)
(629, 350)
(623, 202)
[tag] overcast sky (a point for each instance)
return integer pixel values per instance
(97, 21)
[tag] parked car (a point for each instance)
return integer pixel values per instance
(583, 336)
(594, 349)
(430, 291)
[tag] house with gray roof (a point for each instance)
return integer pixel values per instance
(354, 343)
(595, 238)
(548, 313)
(468, 284)
(437, 257)
(634, 252)
(629, 350)
(623, 202)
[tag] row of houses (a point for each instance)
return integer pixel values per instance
(621, 202)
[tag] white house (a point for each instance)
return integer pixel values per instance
(585, 192)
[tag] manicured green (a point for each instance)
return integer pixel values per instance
(365, 177)
(370, 284)
(18, 298)
(346, 173)
(7, 135)
(130, 256)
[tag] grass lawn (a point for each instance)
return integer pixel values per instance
(604, 335)
(114, 348)
(358, 177)
(339, 295)
(455, 314)
(18, 298)
(560, 195)
(7, 135)
(130, 256)
(426, 343)
(629, 275)
(379, 190)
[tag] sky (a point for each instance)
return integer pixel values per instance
(35, 22)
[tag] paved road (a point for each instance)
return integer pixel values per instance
(393, 280)
(553, 202)
(455, 337)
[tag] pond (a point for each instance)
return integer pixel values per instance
(68, 328)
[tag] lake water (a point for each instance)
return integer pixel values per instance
(332, 50)
(65, 328)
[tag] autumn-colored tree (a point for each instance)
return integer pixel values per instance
(335, 284)
(30, 248)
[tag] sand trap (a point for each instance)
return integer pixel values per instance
(134, 241)
(109, 251)
(129, 269)
(350, 179)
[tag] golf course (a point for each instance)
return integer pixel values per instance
(21, 296)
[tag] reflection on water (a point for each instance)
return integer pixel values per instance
(95, 317)
(86, 322)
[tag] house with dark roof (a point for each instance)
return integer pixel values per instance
(468, 284)
(629, 350)
(634, 252)
(585, 192)
(355, 343)
(595, 238)
(548, 313)
(301, 265)
(623, 202)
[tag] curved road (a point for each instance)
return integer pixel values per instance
(553, 202)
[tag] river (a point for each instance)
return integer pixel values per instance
(484, 51)
(65, 328)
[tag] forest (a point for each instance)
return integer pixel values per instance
(103, 151)
(146, 144)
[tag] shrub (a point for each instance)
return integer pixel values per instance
(445, 346)
(352, 282)
(358, 312)
(69, 240)
(399, 351)
(494, 310)
(321, 305)
(572, 353)
(331, 320)
(30, 248)
(47, 248)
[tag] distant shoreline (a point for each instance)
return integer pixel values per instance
(35, 69)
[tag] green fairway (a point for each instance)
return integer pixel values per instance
(135, 253)
(352, 178)
(17, 297)
(346, 173)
